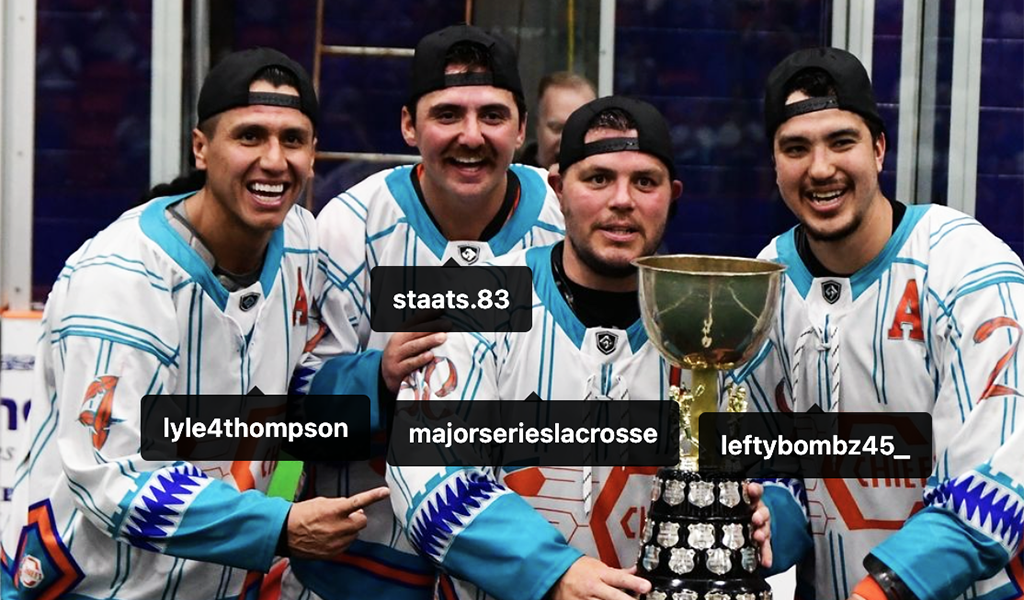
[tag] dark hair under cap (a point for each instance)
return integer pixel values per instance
(853, 91)
(227, 84)
(652, 136)
(429, 62)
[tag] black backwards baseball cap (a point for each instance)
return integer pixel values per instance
(652, 135)
(227, 84)
(428, 63)
(852, 86)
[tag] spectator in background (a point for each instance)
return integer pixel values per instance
(558, 96)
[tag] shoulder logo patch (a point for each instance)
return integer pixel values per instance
(97, 408)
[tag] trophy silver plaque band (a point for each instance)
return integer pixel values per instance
(705, 314)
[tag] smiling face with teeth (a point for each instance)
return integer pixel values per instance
(827, 167)
(616, 208)
(257, 159)
(467, 136)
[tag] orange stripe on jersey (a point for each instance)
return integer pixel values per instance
(1016, 571)
(525, 482)
(850, 510)
(675, 375)
(321, 331)
(243, 476)
(515, 203)
(385, 571)
(603, 507)
(252, 585)
(869, 589)
(445, 588)
(270, 589)
(241, 470)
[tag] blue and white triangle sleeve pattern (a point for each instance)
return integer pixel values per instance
(477, 530)
(465, 520)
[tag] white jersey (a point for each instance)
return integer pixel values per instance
(504, 534)
(930, 325)
(381, 221)
(136, 311)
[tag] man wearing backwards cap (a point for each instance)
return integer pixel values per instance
(464, 202)
(616, 184)
(887, 307)
(184, 294)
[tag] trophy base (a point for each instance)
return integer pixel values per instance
(696, 542)
(680, 589)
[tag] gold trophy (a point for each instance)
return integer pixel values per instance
(705, 314)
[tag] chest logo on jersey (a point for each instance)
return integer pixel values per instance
(300, 312)
(97, 408)
(469, 253)
(831, 291)
(607, 341)
(248, 301)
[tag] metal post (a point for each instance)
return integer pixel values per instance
(165, 100)
(929, 93)
(964, 105)
(853, 28)
(840, 23)
(606, 50)
(17, 67)
(200, 53)
(862, 31)
(910, 114)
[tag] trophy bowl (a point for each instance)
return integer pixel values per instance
(705, 314)
(708, 312)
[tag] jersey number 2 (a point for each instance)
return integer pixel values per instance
(984, 331)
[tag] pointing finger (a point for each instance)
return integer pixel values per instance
(363, 499)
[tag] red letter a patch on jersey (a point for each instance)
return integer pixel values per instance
(908, 313)
(300, 313)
